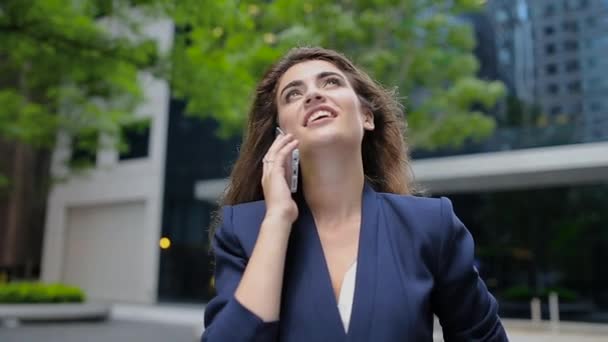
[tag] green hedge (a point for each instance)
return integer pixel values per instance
(524, 293)
(30, 292)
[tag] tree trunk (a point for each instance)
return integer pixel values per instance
(22, 208)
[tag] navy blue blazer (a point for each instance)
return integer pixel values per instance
(415, 259)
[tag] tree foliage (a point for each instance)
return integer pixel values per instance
(61, 67)
(74, 65)
(422, 47)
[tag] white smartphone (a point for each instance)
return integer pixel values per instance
(295, 166)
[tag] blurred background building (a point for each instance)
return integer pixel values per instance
(534, 194)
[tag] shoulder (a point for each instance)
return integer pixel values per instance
(242, 222)
(244, 211)
(428, 218)
(424, 224)
(414, 208)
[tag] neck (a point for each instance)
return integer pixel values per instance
(333, 185)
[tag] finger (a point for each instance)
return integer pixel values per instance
(279, 166)
(277, 145)
(280, 158)
(269, 160)
(280, 141)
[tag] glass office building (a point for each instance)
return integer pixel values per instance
(194, 153)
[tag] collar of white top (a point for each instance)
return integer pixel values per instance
(347, 293)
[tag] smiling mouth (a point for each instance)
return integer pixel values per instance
(319, 115)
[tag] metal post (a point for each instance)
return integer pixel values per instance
(535, 311)
(554, 311)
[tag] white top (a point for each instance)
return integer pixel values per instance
(347, 293)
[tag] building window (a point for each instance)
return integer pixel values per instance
(549, 30)
(550, 49)
(135, 140)
(549, 10)
(556, 110)
(577, 108)
(576, 216)
(571, 45)
(591, 62)
(570, 26)
(574, 87)
(575, 4)
(504, 56)
(501, 16)
(594, 83)
(84, 149)
(551, 69)
(591, 22)
(552, 88)
(595, 107)
(572, 66)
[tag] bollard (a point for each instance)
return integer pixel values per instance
(9, 323)
(535, 311)
(554, 311)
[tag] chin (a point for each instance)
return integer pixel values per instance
(328, 138)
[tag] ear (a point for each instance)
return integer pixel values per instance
(368, 120)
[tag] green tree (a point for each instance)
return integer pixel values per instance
(422, 47)
(61, 69)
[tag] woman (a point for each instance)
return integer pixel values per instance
(351, 256)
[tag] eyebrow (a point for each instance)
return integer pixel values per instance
(321, 75)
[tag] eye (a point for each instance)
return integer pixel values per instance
(291, 94)
(333, 81)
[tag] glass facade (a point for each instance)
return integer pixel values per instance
(549, 55)
(531, 242)
(194, 153)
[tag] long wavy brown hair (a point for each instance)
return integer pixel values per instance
(384, 151)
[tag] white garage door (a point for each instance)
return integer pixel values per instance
(104, 251)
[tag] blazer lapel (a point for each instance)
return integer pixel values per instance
(319, 292)
(367, 266)
(307, 265)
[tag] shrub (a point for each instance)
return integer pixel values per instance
(525, 293)
(33, 292)
(565, 295)
(518, 293)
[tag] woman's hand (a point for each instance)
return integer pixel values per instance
(277, 195)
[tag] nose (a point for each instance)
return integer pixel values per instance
(314, 98)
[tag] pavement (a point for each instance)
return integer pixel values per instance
(131, 331)
(536, 337)
(112, 330)
(135, 323)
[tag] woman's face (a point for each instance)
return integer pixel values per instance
(317, 104)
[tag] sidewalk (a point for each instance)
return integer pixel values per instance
(107, 331)
(183, 323)
(525, 331)
(518, 330)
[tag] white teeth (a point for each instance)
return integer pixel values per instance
(318, 114)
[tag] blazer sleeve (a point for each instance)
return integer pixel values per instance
(466, 310)
(226, 319)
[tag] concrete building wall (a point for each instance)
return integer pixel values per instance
(73, 230)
